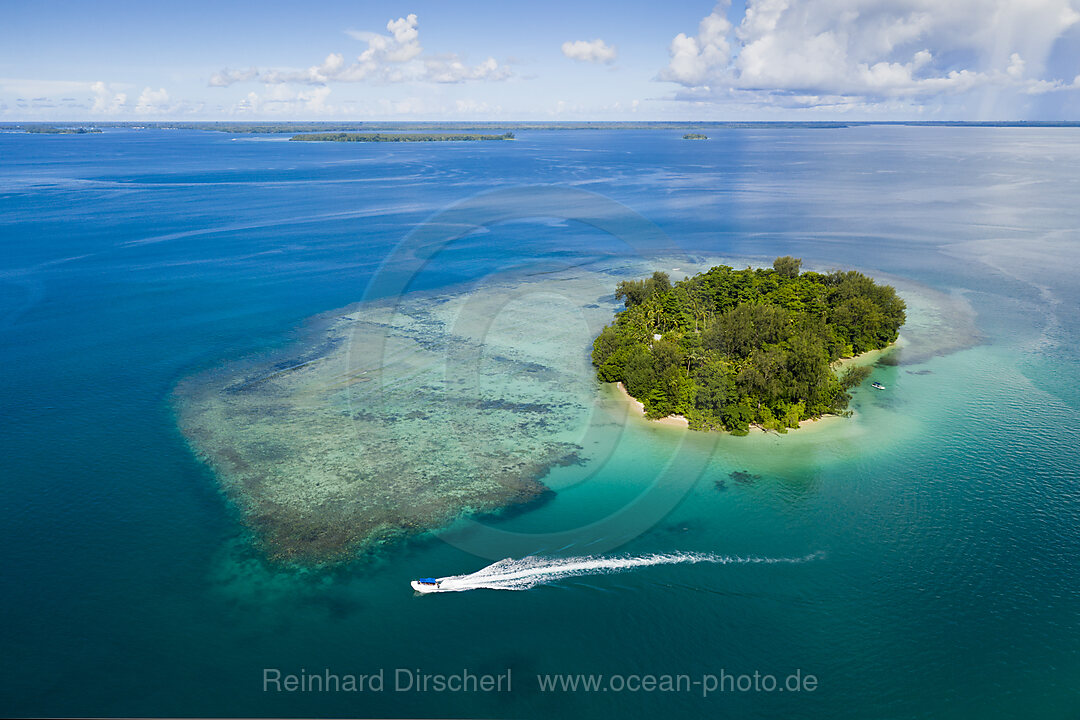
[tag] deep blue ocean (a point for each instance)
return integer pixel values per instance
(947, 587)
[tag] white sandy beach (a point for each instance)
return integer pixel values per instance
(678, 421)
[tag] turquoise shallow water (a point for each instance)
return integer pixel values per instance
(948, 524)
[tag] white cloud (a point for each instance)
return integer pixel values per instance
(596, 51)
(153, 102)
(394, 58)
(451, 69)
(1041, 87)
(473, 108)
(282, 100)
(406, 43)
(1016, 66)
(227, 77)
(106, 100)
(315, 100)
(320, 74)
(694, 60)
(854, 52)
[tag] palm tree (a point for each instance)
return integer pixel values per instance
(693, 356)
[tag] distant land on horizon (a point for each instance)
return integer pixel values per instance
(398, 137)
(368, 125)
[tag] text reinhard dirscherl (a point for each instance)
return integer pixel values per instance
(399, 680)
(467, 681)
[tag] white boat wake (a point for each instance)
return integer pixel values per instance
(528, 572)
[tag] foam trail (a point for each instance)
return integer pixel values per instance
(528, 572)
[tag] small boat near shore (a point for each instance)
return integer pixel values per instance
(877, 386)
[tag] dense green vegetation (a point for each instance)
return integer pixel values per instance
(727, 348)
(695, 136)
(410, 137)
(49, 130)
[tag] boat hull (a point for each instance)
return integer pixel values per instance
(424, 587)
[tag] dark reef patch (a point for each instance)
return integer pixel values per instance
(744, 477)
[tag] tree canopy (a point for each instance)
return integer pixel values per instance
(727, 348)
(787, 266)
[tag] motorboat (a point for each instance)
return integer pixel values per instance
(426, 585)
(877, 386)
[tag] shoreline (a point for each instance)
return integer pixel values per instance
(670, 421)
(679, 421)
(868, 357)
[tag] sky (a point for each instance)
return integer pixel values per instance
(555, 60)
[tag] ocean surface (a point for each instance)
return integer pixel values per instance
(919, 559)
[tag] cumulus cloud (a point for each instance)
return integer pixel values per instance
(838, 52)
(153, 102)
(106, 100)
(450, 69)
(401, 45)
(283, 100)
(330, 68)
(406, 39)
(1041, 87)
(389, 58)
(1016, 66)
(596, 51)
(695, 60)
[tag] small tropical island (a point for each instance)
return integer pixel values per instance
(398, 137)
(695, 136)
(728, 349)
